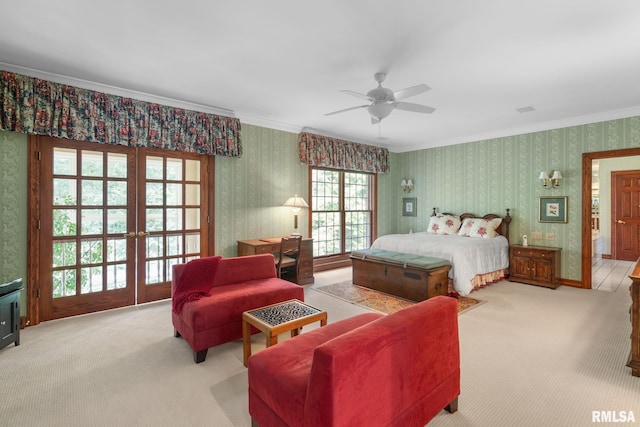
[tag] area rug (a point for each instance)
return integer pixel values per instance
(379, 301)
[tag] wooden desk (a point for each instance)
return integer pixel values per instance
(272, 244)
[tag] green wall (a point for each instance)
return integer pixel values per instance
(479, 177)
(489, 176)
(251, 190)
(13, 208)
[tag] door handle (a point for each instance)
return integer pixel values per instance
(142, 233)
(130, 234)
(621, 221)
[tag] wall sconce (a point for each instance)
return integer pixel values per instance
(407, 185)
(553, 182)
(296, 203)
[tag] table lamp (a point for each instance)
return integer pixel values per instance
(296, 203)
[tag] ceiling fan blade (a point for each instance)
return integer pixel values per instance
(411, 91)
(346, 109)
(416, 108)
(359, 95)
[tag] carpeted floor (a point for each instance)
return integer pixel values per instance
(379, 301)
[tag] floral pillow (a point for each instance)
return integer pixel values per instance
(478, 227)
(443, 224)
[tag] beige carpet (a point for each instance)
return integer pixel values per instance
(380, 301)
(530, 356)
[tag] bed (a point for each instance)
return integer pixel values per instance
(477, 247)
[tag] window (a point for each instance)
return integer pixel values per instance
(342, 211)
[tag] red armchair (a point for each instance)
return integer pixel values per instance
(368, 370)
(233, 285)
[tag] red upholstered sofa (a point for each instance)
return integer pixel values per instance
(238, 284)
(368, 370)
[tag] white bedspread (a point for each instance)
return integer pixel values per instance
(469, 256)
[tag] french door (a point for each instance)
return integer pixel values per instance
(113, 220)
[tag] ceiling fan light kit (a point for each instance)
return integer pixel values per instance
(383, 100)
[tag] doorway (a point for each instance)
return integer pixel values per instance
(587, 208)
(112, 221)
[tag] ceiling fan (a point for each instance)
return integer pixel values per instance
(384, 100)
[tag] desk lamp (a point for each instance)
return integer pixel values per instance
(296, 203)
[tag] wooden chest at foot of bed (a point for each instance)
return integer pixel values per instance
(408, 276)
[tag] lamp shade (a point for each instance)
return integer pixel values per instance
(543, 175)
(296, 202)
(556, 175)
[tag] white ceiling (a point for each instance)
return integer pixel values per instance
(282, 63)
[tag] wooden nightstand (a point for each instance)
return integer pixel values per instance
(535, 265)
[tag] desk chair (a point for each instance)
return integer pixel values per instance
(288, 259)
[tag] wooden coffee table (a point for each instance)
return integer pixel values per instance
(277, 318)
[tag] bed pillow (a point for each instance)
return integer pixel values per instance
(478, 227)
(444, 224)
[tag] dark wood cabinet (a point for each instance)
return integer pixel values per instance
(535, 265)
(271, 245)
(10, 318)
(634, 314)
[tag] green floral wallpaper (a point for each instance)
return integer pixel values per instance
(13, 208)
(478, 177)
(251, 190)
(492, 175)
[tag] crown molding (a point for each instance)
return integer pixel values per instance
(114, 90)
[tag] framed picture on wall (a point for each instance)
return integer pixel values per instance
(552, 209)
(409, 206)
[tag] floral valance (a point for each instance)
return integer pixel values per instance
(323, 151)
(32, 105)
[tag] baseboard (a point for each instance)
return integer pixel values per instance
(572, 283)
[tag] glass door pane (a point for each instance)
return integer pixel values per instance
(172, 217)
(85, 217)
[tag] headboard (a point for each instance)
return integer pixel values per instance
(503, 229)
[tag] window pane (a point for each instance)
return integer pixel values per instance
(64, 283)
(174, 219)
(154, 220)
(64, 192)
(174, 194)
(326, 233)
(92, 164)
(192, 170)
(116, 250)
(174, 169)
(91, 221)
(193, 243)
(192, 194)
(64, 222)
(154, 167)
(64, 161)
(116, 193)
(116, 165)
(192, 218)
(91, 279)
(91, 252)
(154, 195)
(116, 221)
(91, 192)
(64, 254)
(337, 195)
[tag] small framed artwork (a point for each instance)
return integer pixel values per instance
(552, 209)
(409, 206)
